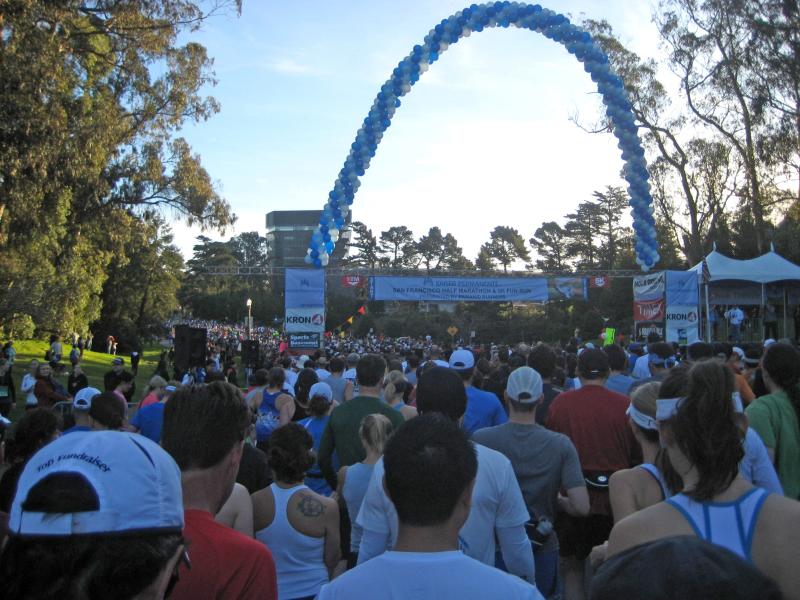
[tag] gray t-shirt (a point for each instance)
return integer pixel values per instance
(544, 461)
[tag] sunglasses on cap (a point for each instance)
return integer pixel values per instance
(176, 572)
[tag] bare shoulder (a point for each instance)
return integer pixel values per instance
(311, 504)
(625, 477)
(647, 525)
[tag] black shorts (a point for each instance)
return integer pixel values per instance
(578, 535)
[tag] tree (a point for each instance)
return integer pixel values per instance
(582, 229)
(92, 97)
(484, 262)
(609, 206)
(394, 242)
(550, 244)
(506, 245)
(366, 246)
(438, 252)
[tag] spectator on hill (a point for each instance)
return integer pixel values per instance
(46, 388)
(75, 531)
(77, 380)
(204, 430)
(29, 383)
(112, 378)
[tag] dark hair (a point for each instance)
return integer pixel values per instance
(592, 364)
(653, 337)
(32, 431)
(124, 377)
(318, 405)
(674, 385)
(429, 463)
(413, 361)
(699, 351)
(542, 359)
(336, 365)
(96, 566)
(617, 360)
(782, 363)
(108, 410)
(465, 374)
(274, 377)
(441, 390)
(260, 377)
(706, 431)
(305, 379)
(290, 452)
(370, 370)
(202, 423)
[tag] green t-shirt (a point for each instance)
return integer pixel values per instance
(341, 432)
(775, 420)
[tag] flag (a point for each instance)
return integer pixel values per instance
(350, 320)
(600, 281)
(362, 310)
(706, 276)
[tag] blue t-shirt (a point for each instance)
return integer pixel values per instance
(314, 479)
(76, 428)
(483, 410)
(150, 420)
(620, 383)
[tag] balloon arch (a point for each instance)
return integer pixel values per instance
(476, 18)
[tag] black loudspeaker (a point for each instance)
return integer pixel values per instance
(190, 347)
(250, 358)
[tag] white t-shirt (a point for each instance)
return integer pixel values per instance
(426, 575)
(496, 503)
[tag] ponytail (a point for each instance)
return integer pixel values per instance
(782, 364)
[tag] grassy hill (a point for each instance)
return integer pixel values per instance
(94, 364)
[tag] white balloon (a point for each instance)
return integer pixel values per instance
(308, 260)
(324, 260)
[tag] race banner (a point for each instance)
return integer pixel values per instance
(648, 287)
(354, 281)
(643, 329)
(304, 341)
(455, 289)
(682, 324)
(566, 288)
(682, 288)
(305, 288)
(306, 320)
(648, 310)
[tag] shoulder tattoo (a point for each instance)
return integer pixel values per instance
(310, 507)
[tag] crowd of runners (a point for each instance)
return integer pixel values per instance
(398, 468)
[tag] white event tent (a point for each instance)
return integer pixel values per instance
(751, 282)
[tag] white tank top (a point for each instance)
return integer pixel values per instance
(299, 558)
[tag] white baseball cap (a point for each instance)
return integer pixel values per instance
(83, 399)
(461, 360)
(119, 467)
(321, 389)
(524, 385)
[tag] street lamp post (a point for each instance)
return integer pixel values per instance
(249, 316)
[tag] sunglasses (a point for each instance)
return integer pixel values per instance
(176, 573)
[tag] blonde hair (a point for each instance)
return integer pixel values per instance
(644, 398)
(156, 381)
(375, 431)
(391, 388)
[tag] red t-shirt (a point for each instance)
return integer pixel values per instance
(225, 563)
(594, 418)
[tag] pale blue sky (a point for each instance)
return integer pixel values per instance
(483, 139)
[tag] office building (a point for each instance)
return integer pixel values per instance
(288, 234)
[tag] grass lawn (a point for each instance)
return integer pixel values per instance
(94, 364)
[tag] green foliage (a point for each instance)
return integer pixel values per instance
(91, 99)
(506, 246)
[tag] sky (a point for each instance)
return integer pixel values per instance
(483, 139)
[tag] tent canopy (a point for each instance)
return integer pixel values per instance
(767, 268)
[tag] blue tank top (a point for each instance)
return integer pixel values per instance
(656, 473)
(314, 479)
(268, 416)
(727, 524)
(356, 482)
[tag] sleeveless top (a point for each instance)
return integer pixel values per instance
(399, 407)
(727, 524)
(356, 482)
(268, 416)
(299, 558)
(656, 473)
